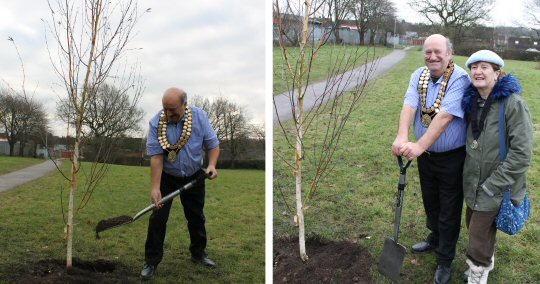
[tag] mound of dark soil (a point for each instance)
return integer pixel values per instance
(329, 262)
(54, 271)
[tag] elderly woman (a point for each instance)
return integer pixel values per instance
(484, 175)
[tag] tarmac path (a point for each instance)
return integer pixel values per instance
(16, 178)
(282, 106)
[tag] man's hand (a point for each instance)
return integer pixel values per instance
(411, 150)
(396, 146)
(156, 198)
(211, 172)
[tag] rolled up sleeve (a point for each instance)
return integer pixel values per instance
(210, 138)
(152, 143)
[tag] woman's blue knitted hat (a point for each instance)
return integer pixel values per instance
(485, 56)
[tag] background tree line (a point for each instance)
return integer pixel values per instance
(242, 142)
(114, 119)
(22, 119)
(460, 20)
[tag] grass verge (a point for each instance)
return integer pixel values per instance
(10, 164)
(32, 227)
(324, 63)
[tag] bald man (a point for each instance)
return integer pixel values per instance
(177, 138)
(433, 103)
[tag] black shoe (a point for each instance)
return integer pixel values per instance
(148, 271)
(422, 246)
(204, 261)
(442, 275)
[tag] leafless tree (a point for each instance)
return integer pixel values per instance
(20, 114)
(11, 117)
(338, 11)
(315, 135)
(532, 14)
(291, 26)
(34, 120)
(258, 132)
(203, 103)
(371, 15)
(236, 130)
(88, 46)
(20, 119)
(452, 18)
(230, 122)
(110, 112)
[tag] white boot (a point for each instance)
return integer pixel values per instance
(492, 265)
(477, 274)
(465, 275)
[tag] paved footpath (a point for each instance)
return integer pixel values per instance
(13, 179)
(353, 77)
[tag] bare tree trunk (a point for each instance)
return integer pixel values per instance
(299, 137)
(11, 149)
(69, 231)
(73, 188)
(298, 180)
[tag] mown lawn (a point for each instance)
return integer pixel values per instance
(32, 227)
(10, 164)
(324, 63)
(356, 202)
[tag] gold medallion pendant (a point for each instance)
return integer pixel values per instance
(426, 120)
(172, 156)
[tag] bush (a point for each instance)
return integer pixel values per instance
(505, 54)
(241, 164)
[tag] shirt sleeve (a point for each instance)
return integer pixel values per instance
(152, 143)
(210, 138)
(451, 102)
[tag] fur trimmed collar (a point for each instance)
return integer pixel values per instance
(505, 87)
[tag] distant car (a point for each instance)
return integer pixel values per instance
(532, 50)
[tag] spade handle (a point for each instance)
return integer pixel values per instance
(170, 196)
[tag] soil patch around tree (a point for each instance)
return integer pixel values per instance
(54, 271)
(329, 262)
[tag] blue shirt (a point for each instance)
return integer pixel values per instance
(454, 135)
(190, 158)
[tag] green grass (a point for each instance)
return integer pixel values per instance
(356, 202)
(327, 57)
(10, 164)
(32, 227)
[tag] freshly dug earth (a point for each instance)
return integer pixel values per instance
(329, 262)
(54, 271)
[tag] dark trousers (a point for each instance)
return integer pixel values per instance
(193, 203)
(441, 181)
(482, 235)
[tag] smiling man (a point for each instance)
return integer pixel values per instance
(433, 103)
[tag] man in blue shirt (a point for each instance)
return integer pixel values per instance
(177, 138)
(433, 102)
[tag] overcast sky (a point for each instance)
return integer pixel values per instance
(504, 12)
(206, 47)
